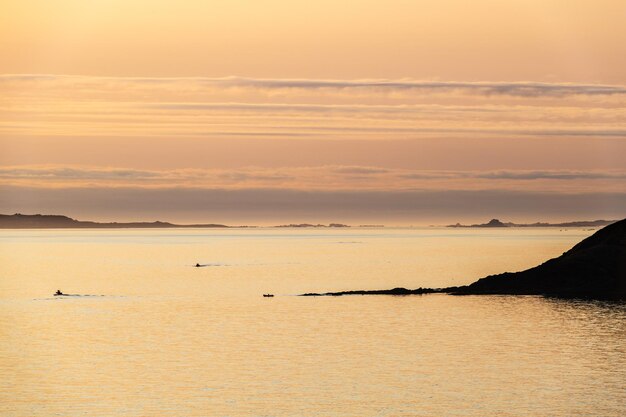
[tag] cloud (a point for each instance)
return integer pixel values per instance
(65, 173)
(287, 205)
(321, 108)
(270, 109)
(327, 178)
(522, 89)
(553, 175)
(360, 170)
(319, 193)
(525, 89)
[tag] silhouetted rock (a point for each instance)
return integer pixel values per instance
(498, 223)
(491, 223)
(594, 268)
(395, 291)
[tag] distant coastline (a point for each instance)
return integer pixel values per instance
(46, 221)
(55, 221)
(498, 223)
(305, 225)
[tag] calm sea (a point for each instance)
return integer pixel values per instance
(154, 336)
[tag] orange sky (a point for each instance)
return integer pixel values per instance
(465, 99)
(446, 39)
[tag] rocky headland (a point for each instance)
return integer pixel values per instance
(594, 268)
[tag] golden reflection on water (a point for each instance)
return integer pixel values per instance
(168, 339)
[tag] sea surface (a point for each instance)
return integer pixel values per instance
(151, 335)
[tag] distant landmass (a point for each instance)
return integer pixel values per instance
(313, 225)
(44, 221)
(498, 223)
(53, 221)
(594, 268)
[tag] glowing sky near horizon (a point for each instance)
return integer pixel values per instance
(257, 111)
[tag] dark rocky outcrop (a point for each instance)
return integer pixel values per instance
(594, 268)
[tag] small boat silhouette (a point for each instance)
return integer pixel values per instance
(268, 295)
(58, 293)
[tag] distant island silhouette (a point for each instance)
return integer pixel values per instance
(313, 225)
(498, 223)
(45, 221)
(55, 221)
(594, 268)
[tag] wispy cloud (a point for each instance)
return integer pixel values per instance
(65, 105)
(315, 178)
(523, 89)
(554, 175)
(66, 173)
